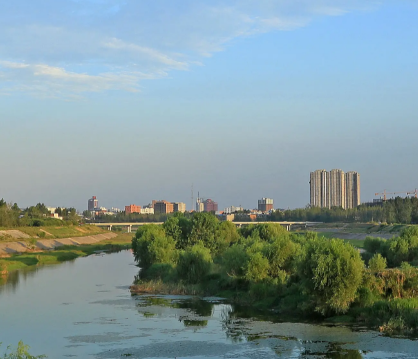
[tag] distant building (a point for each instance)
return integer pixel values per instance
(352, 182)
(337, 190)
(233, 209)
(147, 210)
(93, 203)
(132, 209)
(334, 189)
(163, 207)
(265, 204)
(319, 183)
(210, 206)
(200, 206)
(179, 207)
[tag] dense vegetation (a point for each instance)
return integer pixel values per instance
(12, 216)
(297, 275)
(398, 210)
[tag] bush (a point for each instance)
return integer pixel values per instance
(21, 352)
(194, 263)
(160, 271)
(377, 263)
(3, 267)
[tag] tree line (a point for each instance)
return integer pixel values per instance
(398, 210)
(302, 275)
(13, 216)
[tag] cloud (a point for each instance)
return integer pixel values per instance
(48, 81)
(70, 47)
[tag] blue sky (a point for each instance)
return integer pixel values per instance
(136, 100)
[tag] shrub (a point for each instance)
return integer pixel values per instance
(3, 267)
(377, 263)
(194, 263)
(160, 271)
(21, 352)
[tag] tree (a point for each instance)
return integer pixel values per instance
(257, 267)
(194, 263)
(204, 226)
(332, 272)
(151, 245)
(377, 263)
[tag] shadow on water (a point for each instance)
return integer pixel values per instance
(236, 320)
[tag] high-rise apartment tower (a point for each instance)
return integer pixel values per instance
(319, 183)
(335, 189)
(352, 183)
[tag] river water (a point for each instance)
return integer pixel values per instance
(83, 309)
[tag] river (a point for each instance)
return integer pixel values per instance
(83, 309)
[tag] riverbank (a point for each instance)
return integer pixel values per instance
(58, 251)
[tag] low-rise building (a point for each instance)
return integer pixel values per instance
(233, 209)
(132, 208)
(147, 210)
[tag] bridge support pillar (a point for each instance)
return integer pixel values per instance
(109, 227)
(130, 229)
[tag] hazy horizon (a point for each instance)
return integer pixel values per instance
(132, 101)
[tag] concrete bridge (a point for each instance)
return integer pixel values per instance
(129, 225)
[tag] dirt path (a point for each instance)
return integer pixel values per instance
(9, 248)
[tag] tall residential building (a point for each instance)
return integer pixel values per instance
(337, 190)
(319, 183)
(179, 207)
(352, 183)
(265, 204)
(93, 203)
(132, 209)
(163, 207)
(210, 206)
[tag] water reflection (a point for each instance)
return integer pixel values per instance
(91, 313)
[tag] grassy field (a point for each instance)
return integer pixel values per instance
(53, 232)
(65, 253)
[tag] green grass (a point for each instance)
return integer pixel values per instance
(358, 243)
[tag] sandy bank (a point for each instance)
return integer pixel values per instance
(9, 248)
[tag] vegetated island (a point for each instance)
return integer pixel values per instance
(294, 275)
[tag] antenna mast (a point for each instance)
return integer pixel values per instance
(191, 208)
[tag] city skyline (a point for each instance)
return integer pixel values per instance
(242, 100)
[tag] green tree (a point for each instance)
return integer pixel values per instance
(194, 263)
(257, 267)
(377, 263)
(332, 272)
(151, 245)
(204, 226)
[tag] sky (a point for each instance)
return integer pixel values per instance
(133, 100)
